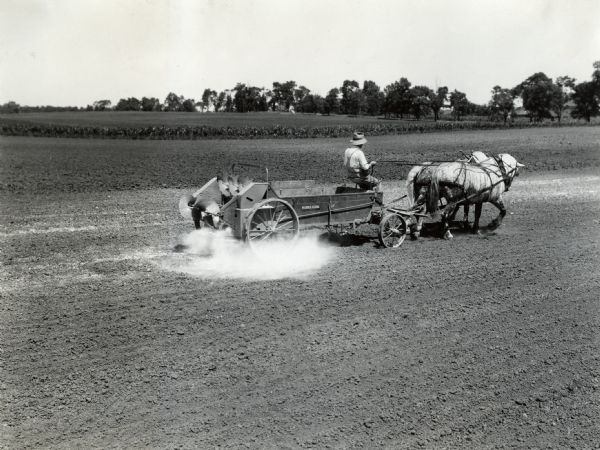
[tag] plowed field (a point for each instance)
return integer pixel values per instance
(110, 338)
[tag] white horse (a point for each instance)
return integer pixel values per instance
(417, 185)
(466, 183)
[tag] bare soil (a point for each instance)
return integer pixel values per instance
(482, 341)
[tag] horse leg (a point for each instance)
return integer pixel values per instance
(416, 228)
(419, 206)
(498, 220)
(453, 213)
(466, 217)
(478, 208)
(450, 207)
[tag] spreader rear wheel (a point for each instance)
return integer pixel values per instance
(392, 230)
(271, 219)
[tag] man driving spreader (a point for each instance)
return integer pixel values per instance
(357, 166)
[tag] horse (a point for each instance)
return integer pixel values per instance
(417, 185)
(467, 183)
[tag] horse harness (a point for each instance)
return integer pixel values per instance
(507, 180)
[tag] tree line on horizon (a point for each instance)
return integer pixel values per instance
(541, 97)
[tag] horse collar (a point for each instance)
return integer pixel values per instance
(507, 180)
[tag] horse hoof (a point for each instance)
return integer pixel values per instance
(414, 236)
(448, 235)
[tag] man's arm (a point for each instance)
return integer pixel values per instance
(364, 165)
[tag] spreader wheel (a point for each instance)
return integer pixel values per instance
(271, 219)
(392, 230)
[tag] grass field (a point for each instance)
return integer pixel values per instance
(138, 119)
(116, 119)
(75, 165)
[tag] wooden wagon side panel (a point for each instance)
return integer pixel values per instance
(333, 209)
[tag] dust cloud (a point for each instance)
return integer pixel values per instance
(216, 254)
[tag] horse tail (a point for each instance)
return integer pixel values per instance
(410, 184)
(433, 193)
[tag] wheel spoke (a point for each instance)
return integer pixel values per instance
(271, 219)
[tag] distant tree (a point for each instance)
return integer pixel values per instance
(220, 101)
(478, 110)
(596, 73)
(537, 92)
(239, 99)
(586, 98)
(249, 98)
(283, 95)
(373, 97)
(102, 105)
(299, 95)
(398, 98)
(332, 102)
(129, 104)
(10, 108)
(459, 104)
(353, 100)
(312, 103)
(188, 105)
(150, 104)
(209, 98)
(420, 101)
(173, 102)
(438, 100)
(228, 103)
(562, 91)
(502, 103)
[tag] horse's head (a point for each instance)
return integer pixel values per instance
(511, 165)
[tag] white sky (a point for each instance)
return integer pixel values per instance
(73, 52)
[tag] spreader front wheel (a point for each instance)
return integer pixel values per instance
(392, 230)
(271, 219)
